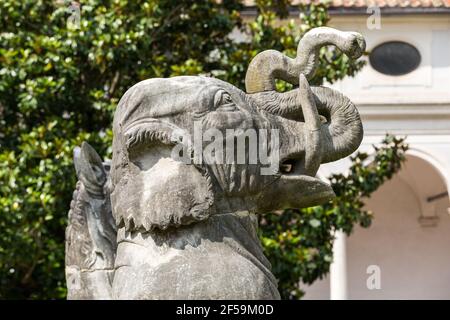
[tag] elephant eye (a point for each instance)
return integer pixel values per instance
(224, 102)
(226, 98)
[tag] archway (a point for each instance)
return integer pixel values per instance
(409, 239)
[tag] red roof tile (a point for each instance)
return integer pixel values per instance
(379, 3)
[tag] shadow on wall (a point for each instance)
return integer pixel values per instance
(408, 241)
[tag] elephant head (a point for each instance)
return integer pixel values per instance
(153, 187)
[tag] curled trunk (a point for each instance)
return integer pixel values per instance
(342, 133)
(271, 64)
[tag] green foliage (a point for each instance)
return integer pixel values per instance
(299, 242)
(59, 85)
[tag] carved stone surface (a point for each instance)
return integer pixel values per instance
(174, 217)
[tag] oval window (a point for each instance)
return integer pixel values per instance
(394, 58)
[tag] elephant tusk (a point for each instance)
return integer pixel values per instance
(313, 152)
(308, 104)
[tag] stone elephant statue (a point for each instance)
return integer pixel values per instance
(173, 215)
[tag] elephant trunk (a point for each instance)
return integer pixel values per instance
(269, 65)
(339, 136)
(343, 132)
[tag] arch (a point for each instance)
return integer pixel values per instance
(408, 244)
(441, 169)
(409, 237)
(435, 164)
(428, 181)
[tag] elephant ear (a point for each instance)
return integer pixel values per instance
(89, 168)
(160, 172)
(91, 231)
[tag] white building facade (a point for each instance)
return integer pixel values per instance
(405, 254)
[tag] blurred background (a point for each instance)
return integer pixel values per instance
(65, 64)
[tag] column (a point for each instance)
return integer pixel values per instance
(338, 269)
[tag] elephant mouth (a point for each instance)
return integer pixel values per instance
(291, 166)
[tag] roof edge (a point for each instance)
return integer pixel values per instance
(362, 11)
